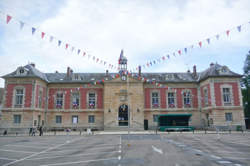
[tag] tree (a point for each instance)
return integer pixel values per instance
(246, 86)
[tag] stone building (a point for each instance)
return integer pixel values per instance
(116, 100)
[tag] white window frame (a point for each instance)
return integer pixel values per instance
(60, 119)
(15, 97)
(231, 102)
(227, 119)
(75, 119)
(72, 103)
(171, 105)
(57, 104)
(91, 118)
(94, 99)
(155, 105)
(184, 97)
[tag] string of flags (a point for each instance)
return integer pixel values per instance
(185, 50)
(98, 60)
(59, 42)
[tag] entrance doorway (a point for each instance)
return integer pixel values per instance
(123, 115)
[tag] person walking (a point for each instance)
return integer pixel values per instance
(33, 132)
(30, 132)
(40, 131)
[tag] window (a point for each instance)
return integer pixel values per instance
(229, 117)
(19, 97)
(226, 96)
(59, 100)
(40, 99)
(92, 101)
(74, 119)
(75, 100)
(187, 99)
(17, 119)
(58, 119)
(91, 119)
(155, 99)
(171, 100)
(205, 97)
(155, 118)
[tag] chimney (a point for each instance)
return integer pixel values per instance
(107, 73)
(56, 71)
(188, 71)
(194, 71)
(33, 64)
(139, 71)
(211, 64)
(68, 71)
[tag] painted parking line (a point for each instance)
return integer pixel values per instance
(224, 162)
(70, 150)
(4, 158)
(88, 154)
(78, 162)
(157, 150)
(35, 154)
(27, 146)
(16, 151)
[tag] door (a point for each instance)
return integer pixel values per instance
(123, 115)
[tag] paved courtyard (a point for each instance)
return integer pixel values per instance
(174, 149)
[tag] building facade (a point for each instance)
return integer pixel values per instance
(118, 100)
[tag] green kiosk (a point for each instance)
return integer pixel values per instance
(174, 122)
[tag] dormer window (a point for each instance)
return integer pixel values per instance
(21, 71)
(224, 70)
(76, 77)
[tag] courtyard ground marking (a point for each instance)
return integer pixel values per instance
(4, 158)
(82, 154)
(35, 154)
(16, 151)
(77, 162)
(157, 150)
(27, 146)
(62, 151)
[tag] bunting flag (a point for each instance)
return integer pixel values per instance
(179, 52)
(168, 56)
(200, 43)
(21, 24)
(59, 42)
(84, 53)
(66, 46)
(239, 28)
(228, 31)
(78, 52)
(72, 49)
(208, 41)
(42, 35)
(217, 37)
(174, 54)
(185, 49)
(8, 18)
(33, 30)
(163, 58)
(51, 38)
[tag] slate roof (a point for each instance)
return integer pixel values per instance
(215, 70)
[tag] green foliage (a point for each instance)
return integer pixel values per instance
(246, 85)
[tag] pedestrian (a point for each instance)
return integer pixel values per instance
(33, 131)
(30, 132)
(40, 131)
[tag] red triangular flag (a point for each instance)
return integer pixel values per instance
(200, 43)
(228, 31)
(8, 19)
(84, 53)
(67, 45)
(43, 35)
(179, 52)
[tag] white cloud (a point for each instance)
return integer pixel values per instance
(146, 30)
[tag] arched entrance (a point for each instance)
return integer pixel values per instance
(123, 115)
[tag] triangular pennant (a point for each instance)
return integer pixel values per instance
(174, 53)
(200, 43)
(84, 53)
(150, 63)
(72, 49)
(154, 62)
(42, 35)
(33, 30)
(208, 40)
(168, 56)
(51, 38)
(217, 37)
(239, 28)
(179, 52)
(66, 46)
(8, 18)
(78, 52)
(185, 49)
(163, 58)
(59, 42)
(21, 24)
(228, 31)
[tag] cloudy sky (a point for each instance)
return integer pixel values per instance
(145, 30)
